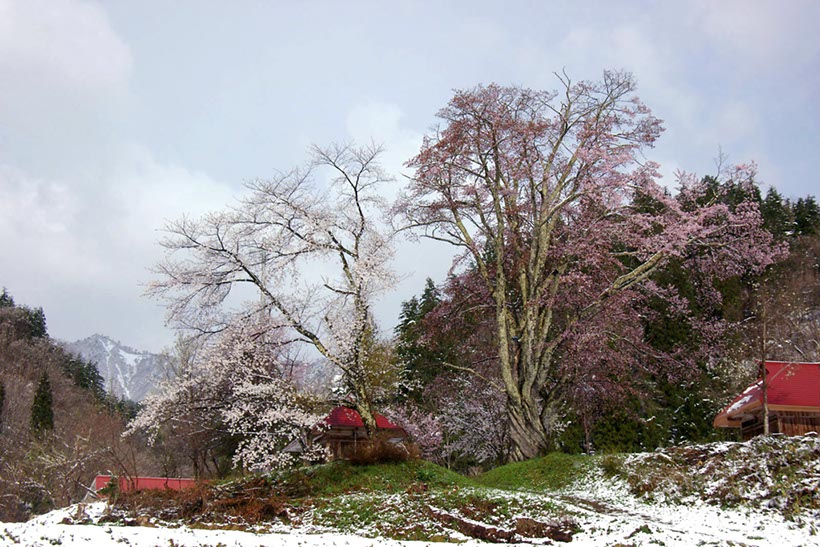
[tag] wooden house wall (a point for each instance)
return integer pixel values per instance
(788, 423)
(799, 423)
(753, 428)
(343, 442)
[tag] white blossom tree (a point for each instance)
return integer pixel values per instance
(315, 258)
(238, 387)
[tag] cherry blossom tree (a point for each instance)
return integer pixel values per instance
(315, 260)
(461, 423)
(537, 190)
(473, 422)
(238, 387)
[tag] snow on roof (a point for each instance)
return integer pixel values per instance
(748, 395)
(790, 385)
(347, 417)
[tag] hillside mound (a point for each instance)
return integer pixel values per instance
(760, 492)
(774, 472)
(550, 473)
(411, 500)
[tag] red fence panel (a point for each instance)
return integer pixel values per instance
(144, 483)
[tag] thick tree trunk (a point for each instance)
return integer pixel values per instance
(528, 436)
(587, 437)
(365, 410)
(369, 421)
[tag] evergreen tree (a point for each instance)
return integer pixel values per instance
(84, 374)
(727, 192)
(36, 318)
(806, 216)
(421, 348)
(776, 214)
(29, 322)
(6, 301)
(42, 413)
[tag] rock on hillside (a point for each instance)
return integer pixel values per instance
(127, 372)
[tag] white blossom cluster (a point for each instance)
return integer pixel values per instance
(474, 422)
(236, 387)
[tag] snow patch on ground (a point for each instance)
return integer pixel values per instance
(606, 512)
(609, 515)
(758, 493)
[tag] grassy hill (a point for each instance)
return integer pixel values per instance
(555, 496)
(552, 472)
(344, 478)
(413, 500)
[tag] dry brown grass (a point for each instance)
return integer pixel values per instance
(253, 502)
(381, 450)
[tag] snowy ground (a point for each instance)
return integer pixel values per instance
(606, 515)
(758, 493)
(613, 516)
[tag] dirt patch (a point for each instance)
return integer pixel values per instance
(472, 528)
(597, 506)
(530, 528)
(524, 528)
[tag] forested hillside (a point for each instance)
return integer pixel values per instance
(58, 429)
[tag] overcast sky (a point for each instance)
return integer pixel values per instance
(117, 115)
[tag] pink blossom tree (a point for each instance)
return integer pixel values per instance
(315, 259)
(537, 191)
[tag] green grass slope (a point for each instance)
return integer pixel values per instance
(411, 500)
(549, 473)
(341, 477)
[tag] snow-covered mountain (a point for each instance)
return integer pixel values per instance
(127, 372)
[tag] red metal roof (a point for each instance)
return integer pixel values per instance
(342, 416)
(790, 384)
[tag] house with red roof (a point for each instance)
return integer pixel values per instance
(342, 431)
(793, 397)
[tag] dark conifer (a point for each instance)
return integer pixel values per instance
(806, 216)
(776, 214)
(42, 413)
(6, 301)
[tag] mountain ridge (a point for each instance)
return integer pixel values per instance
(127, 372)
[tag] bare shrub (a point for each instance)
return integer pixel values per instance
(382, 450)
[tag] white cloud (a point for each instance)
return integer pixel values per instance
(36, 220)
(148, 193)
(97, 246)
(53, 52)
(761, 31)
(382, 122)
